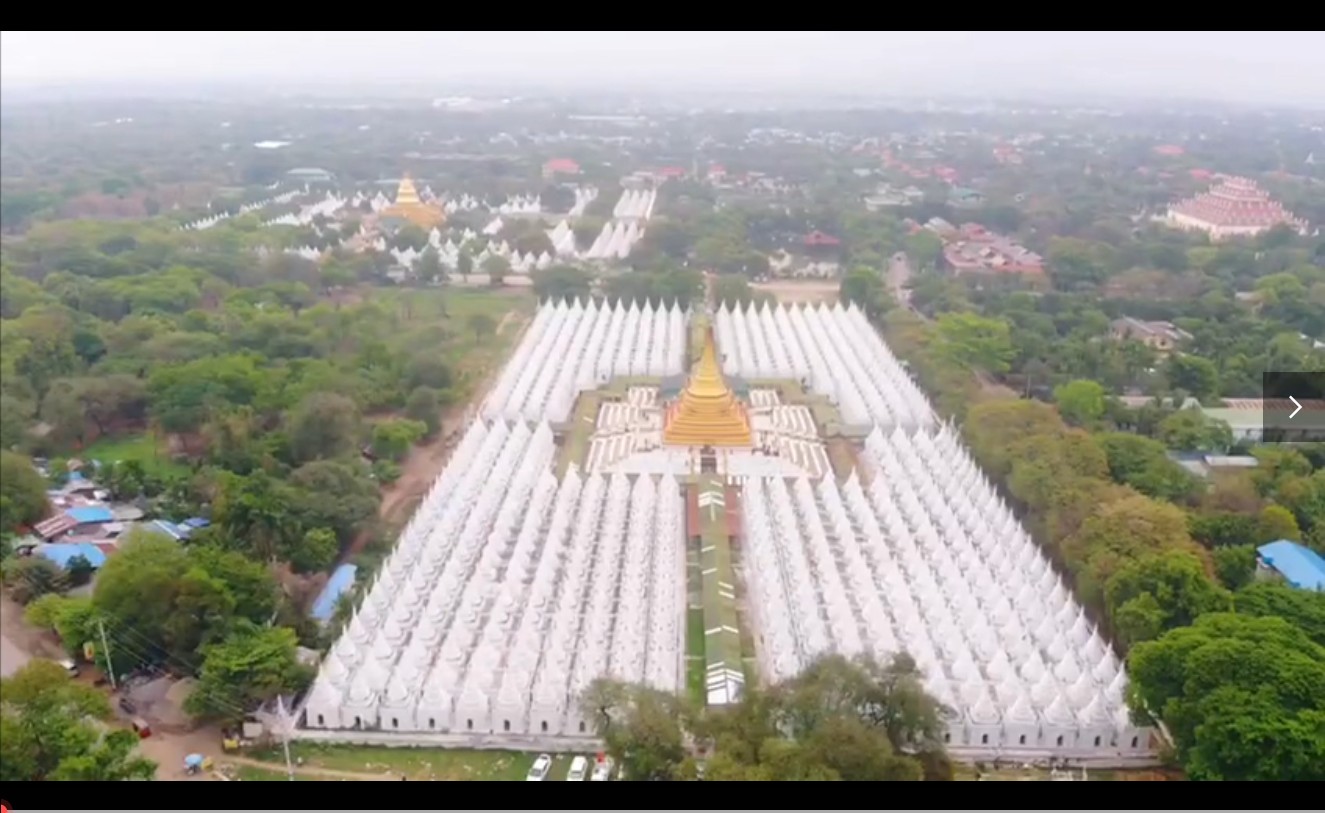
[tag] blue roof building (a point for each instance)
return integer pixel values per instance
(1299, 565)
(170, 529)
(88, 514)
(341, 581)
(61, 552)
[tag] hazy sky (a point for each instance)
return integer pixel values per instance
(1241, 66)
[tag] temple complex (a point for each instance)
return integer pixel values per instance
(707, 413)
(410, 207)
(1234, 207)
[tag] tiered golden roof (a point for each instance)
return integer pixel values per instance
(409, 206)
(707, 414)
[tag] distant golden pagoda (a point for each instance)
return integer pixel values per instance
(409, 206)
(707, 413)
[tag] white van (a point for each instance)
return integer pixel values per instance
(578, 768)
(70, 667)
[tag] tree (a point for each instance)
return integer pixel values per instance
(482, 324)
(640, 726)
(50, 730)
(323, 425)
(392, 439)
(1242, 696)
(428, 266)
(32, 577)
(1304, 609)
(1189, 430)
(865, 289)
(1193, 374)
(1276, 522)
(1235, 565)
(1174, 589)
(562, 282)
(975, 342)
(248, 667)
(22, 492)
(1081, 401)
(1119, 532)
(496, 267)
(424, 405)
(78, 570)
(1144, 464)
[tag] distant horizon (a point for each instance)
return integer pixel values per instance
(124, 89)
(1259, 68)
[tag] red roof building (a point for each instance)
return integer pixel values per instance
(817, 239)
(976, 250)
(560, 166)
(670, 172)
(1236, 207)
(1169, 150)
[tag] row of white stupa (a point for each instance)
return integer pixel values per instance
(571, 348)
(508, 593)
(615, 241)
(448, 254)
(635, 203)
(929, 561)
(326, 207)
(277, 200)
(833, 349)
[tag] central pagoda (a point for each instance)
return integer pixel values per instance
(409, 206)
(707, 413)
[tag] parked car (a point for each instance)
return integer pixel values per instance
(539, 770)
(578, 768)
(602, 771)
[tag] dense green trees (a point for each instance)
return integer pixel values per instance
(53, 729)
(22, 492)
(847, 720)
(1243, 696)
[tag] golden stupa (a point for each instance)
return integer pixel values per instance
(707, 413)
(409, 206)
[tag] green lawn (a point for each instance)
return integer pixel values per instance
(437, 764)
(250, 773)
(144, 448)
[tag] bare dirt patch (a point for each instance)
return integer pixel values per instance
(795, 291)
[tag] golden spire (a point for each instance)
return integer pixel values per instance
(409, 206)
(407, 195)
(707, 414)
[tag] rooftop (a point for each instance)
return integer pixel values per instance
(1300, 566)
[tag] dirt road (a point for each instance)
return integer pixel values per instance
(421, 467)
(12, 657)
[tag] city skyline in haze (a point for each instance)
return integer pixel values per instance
(1267, 67)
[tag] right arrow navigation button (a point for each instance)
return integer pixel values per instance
(1298, 409)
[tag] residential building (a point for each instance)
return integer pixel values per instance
(965, 198)
(1247, 418)
(560, 166)
(976, 250)
(1161, 336)
(1236, 207)
(1292, 563)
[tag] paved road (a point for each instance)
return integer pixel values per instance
(899, 272)
(12, 657)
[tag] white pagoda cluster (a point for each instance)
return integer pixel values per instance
(635, 204)
(833, 350)
(929, 561)
(615, 241)
(576, 347)
(326, 207)
(519, 205)
(563, 239)
(584, 195)
(508, 593)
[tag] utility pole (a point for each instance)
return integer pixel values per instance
(285, 735)
(110, 665)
